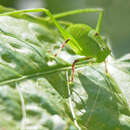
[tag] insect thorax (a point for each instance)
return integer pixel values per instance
(87, 42)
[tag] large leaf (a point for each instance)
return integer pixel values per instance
(27, 44)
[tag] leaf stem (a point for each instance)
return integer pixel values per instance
(40, 74)
(23, 107)
(70, 103)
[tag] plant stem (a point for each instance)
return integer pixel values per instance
(70, 104)
(23, 107)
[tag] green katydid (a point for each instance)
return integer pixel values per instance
(83, 39)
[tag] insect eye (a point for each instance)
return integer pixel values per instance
(103, 48)
(96, 34)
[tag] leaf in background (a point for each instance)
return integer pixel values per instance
(24, 55)
(105, 104)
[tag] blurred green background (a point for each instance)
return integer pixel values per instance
(116, 20)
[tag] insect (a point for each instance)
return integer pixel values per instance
(83, 39)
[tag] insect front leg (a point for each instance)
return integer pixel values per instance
(74, 63)
(63, 45)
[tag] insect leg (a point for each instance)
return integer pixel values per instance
(88, 10)
(63, 45)
(106, 70)
(78, 11)
(99, 22)
(74, 63)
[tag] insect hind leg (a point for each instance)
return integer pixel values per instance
(87, 10)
